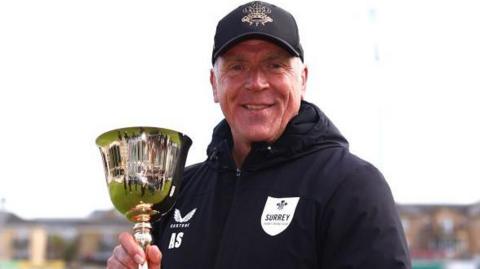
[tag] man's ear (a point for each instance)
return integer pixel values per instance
(304, 78)
(213, 82)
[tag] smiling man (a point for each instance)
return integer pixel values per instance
(280, 188)
(259, 87)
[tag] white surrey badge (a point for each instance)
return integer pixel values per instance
(278, 214)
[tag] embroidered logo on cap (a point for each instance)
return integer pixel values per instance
(256, 14)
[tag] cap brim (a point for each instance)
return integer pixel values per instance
(232, 42)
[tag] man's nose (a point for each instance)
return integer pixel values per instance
(256, 80)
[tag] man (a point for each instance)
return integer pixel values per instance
(279, 188)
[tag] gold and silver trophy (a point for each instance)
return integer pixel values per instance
(143, 169)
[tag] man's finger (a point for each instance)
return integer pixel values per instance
(131, 247)
(113, 263)
(154, 257)
(122, 257)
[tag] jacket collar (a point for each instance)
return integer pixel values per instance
(310, 130)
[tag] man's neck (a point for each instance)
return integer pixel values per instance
(240, 151)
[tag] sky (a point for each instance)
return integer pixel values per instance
(398, 78)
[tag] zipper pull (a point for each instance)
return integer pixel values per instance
(239, 172)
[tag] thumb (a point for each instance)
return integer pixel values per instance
(154, 257)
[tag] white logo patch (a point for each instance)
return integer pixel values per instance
(278, 214)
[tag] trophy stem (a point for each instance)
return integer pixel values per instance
(141, 233)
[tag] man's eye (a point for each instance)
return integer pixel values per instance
(275, 65)
(237, 67)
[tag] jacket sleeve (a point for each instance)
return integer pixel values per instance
(360, 227)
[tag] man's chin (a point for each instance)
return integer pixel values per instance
(259, 131)
(254, 137)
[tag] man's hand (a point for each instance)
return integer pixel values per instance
(129, 254)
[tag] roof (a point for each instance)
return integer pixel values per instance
(417, 209)
(10, 218)
(106, 217)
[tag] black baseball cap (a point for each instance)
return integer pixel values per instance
(257, 20)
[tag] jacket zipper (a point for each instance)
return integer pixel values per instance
(238, 172)
(219, 259)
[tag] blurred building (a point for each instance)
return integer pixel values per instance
(41, 241)
(442, 231)
(434, 232)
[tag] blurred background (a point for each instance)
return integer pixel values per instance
(398, 78)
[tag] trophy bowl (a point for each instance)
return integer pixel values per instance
(143, 170)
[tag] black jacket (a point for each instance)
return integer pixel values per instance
(303, 202)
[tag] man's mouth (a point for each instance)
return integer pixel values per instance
(256, 107)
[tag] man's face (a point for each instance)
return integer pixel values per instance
(259, 87)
